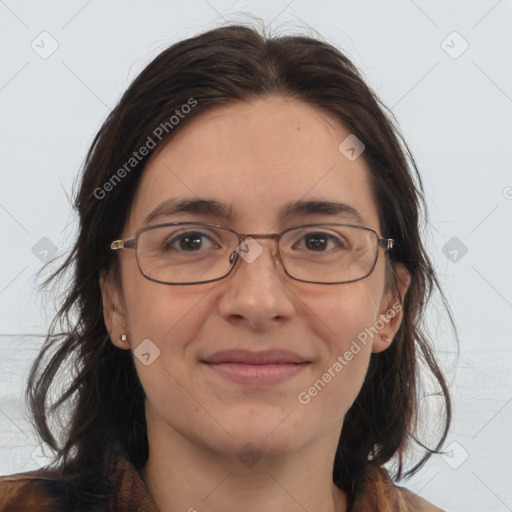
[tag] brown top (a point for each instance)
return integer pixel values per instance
(32, 491)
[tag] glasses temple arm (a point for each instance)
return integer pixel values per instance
(387, 243)
(118, 245)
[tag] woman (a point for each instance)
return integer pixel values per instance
(248, 281)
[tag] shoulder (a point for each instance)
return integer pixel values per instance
(31, 491)
(380, 493)
(118, 487)
(22, 489)
(415, 502)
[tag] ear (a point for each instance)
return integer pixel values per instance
(113, 311)
(391, 310)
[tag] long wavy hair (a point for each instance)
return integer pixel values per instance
(99, 408)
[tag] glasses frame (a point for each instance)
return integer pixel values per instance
(131, 243)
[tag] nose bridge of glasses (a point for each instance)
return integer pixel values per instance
(273, 240)
(249, 248)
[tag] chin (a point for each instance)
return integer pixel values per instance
(266, 436)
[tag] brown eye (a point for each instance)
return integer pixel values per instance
(321, 242)
(316, 242)
(192, 241)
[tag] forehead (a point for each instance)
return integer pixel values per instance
(256, 157)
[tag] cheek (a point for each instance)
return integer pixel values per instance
(332, 392)
(171, 317)
(345, 322)
(344, 315)
(162, 313)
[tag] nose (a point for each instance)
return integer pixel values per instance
(256, 293)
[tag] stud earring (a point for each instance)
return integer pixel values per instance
(123, 338)
(384, 337)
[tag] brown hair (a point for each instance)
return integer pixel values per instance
(104, 398)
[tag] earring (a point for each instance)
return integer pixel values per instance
(384, 337)
(123, 338)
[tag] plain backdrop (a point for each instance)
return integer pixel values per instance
(444, 69)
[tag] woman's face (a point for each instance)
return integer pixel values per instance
(255, 159)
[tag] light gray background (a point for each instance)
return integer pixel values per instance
(454, 107)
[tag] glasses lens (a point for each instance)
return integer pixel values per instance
(185, 253)
(329, 253)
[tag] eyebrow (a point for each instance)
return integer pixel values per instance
(213, 208)
(320, 207)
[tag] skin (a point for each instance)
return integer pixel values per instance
(255, 157)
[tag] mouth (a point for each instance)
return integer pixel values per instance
(256, 368)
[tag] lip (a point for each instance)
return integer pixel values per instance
(257, 374)
(274, 356)
(256, 368)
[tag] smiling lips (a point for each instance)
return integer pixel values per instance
(256, 368)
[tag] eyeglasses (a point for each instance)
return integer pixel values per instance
(195, 252)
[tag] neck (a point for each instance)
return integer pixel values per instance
(182, 476)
